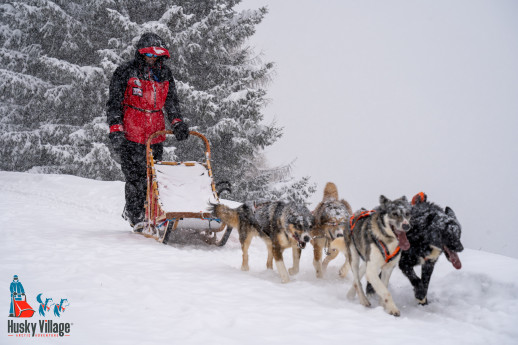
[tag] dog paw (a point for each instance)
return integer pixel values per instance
(365, 302)
(292, 271)
(392, 309)
(394, 312)
(245, 268)
(423, 301)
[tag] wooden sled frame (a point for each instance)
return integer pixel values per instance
(157, 218)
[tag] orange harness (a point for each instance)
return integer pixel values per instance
(354, 219)
(419, 197)
(386, 254)
(381, 246)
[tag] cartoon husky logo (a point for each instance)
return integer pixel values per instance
(44, 306)
(60, 307)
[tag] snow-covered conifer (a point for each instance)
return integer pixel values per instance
(56, 60)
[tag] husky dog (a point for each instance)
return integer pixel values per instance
(331, 219)
(280, 224)
(379, 236)
(433, 230)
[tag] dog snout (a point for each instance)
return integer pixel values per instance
(406, 226)
(306, 238)
(340, 235)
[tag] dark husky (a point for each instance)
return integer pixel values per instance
(280, 224)
(379, 236)
(433, 230)
(331, 219)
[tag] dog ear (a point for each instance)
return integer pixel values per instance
(429, 219)
(383, 200)
(449, 212)
(403, 198)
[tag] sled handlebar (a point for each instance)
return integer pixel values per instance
(169, 132)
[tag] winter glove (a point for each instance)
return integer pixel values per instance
(117, 140)
(181, 130)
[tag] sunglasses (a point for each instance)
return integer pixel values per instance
(150, 55)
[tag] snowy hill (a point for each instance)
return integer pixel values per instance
(63, 236)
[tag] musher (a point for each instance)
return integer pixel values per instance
(142, 97)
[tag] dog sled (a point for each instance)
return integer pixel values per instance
(179, 195)
(21, 307)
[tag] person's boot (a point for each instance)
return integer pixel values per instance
(133, 220)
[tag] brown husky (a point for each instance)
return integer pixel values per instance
(331, 219)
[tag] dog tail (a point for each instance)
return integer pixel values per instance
(227, 215)
(330, 192)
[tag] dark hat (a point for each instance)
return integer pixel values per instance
(153, 44)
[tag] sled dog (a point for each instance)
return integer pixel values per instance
(433, 230)
(379, 236)
(280, 224)
(331, 219)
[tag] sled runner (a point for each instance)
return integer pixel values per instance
(178, 197)
(21, 307)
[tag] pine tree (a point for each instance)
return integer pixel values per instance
(53, 91)
(58, 57)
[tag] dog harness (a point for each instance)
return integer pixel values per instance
(381, 246)
(354, 219)
(383, 249)
(327, 245)
(419, 197)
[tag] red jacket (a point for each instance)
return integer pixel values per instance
(139, 97)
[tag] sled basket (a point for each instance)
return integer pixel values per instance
(21, 307)
(179, 195)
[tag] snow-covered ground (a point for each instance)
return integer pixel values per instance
(63, 236)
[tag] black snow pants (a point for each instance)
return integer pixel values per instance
(133, 165)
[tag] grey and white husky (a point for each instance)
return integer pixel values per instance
(379, 236)
(280, 224)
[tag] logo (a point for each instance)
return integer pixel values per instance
(137, 91)
(20, 308)
(60, 308)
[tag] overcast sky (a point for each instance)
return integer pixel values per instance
(398, 97)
